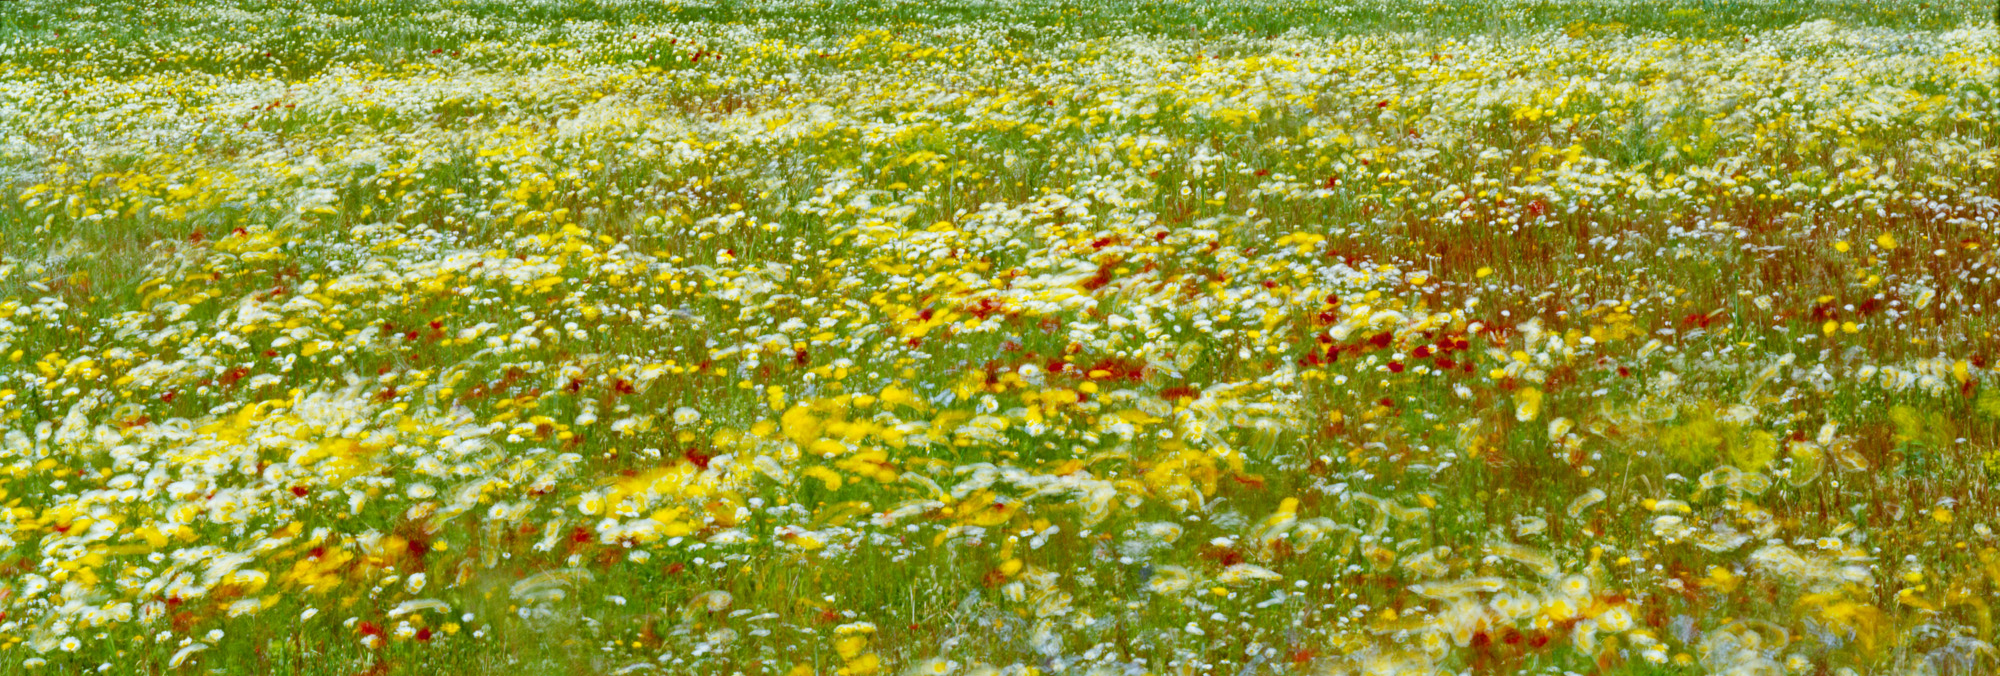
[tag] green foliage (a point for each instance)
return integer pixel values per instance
(1988, 402)
(1923, 428)
(1700, 439)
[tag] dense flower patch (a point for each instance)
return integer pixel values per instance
(357, 337)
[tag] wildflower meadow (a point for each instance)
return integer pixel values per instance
(999, 337)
